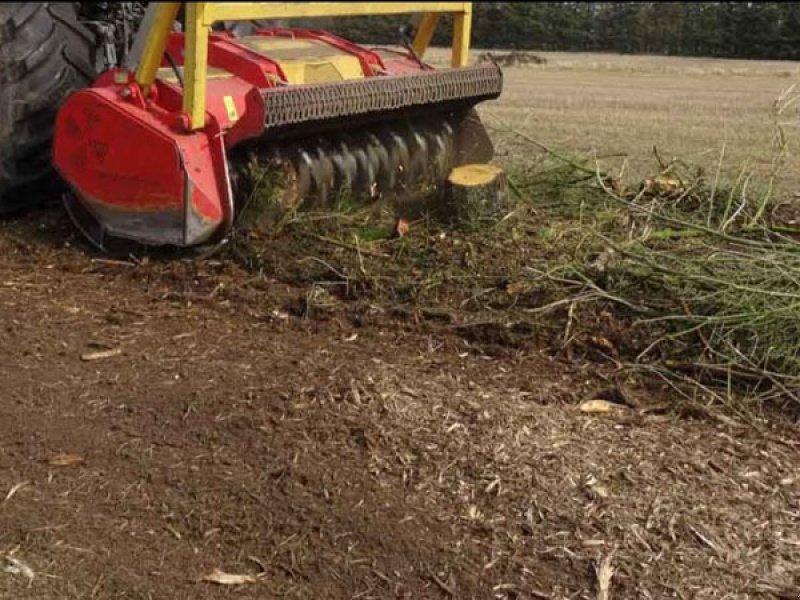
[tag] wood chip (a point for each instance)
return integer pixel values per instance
(16, 567)
(401, 228)
(65, 460)
(604, 344)
(101, 354)
(15, 489)
(448, 587)
(706, 539)
(222, 578)
(597, 406)
(604, 574)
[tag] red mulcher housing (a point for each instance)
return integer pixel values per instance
(141, 170)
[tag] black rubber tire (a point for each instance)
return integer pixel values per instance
(44, 55)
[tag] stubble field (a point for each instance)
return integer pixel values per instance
(619, 107)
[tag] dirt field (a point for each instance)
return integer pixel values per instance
(163, 419)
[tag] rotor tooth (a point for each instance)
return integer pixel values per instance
(346, 168)
(379, 158)
(397, 160)
(440, 159)
(364, 171)
(325, 175)
(420, 160)
(304, 165)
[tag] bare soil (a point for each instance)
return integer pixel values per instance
(344, 455)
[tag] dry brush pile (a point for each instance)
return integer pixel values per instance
(710, 272)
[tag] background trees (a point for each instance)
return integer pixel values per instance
(766, 30)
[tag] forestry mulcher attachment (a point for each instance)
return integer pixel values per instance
(153, 149)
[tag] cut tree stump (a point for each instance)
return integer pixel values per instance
(476, 195)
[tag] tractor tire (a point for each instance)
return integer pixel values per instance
(45, 54)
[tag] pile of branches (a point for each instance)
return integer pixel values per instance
(721, 308)
(708, 275)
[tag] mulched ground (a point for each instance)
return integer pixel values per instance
(323, 459)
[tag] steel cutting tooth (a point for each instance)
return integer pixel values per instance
(379, 161)
(419, 159)
(346, 168)
(438, 151)
(364, 172)
(304, 166)
(319, 188)
(326, 175)
(397, 150)
(319, 183)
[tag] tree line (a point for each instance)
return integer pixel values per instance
(759, 30)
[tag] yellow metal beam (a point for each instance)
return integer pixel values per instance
(156, 44)
(462, 31)
(425, 32)
(196, 62)
(244, 11)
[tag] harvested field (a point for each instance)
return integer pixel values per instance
(624, 105)
(331, 411)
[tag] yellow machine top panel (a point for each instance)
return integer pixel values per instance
(167, 74)
(306, 61)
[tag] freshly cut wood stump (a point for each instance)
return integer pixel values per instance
(476, 195)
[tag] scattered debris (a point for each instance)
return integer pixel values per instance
(279, 315)
(448, 587)
(595, 488)
(16, 567)
(14, 489)
(604, 344)
(604, 574)
(101, 354)
(401, 228)
(597, 406)
(65, 460)
(222, 578)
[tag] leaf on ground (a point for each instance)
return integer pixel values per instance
(65, 460)
(222, 578)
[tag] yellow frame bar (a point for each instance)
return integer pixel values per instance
(201, 15)
(195, 62)
(244, 11)
(156, 43)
